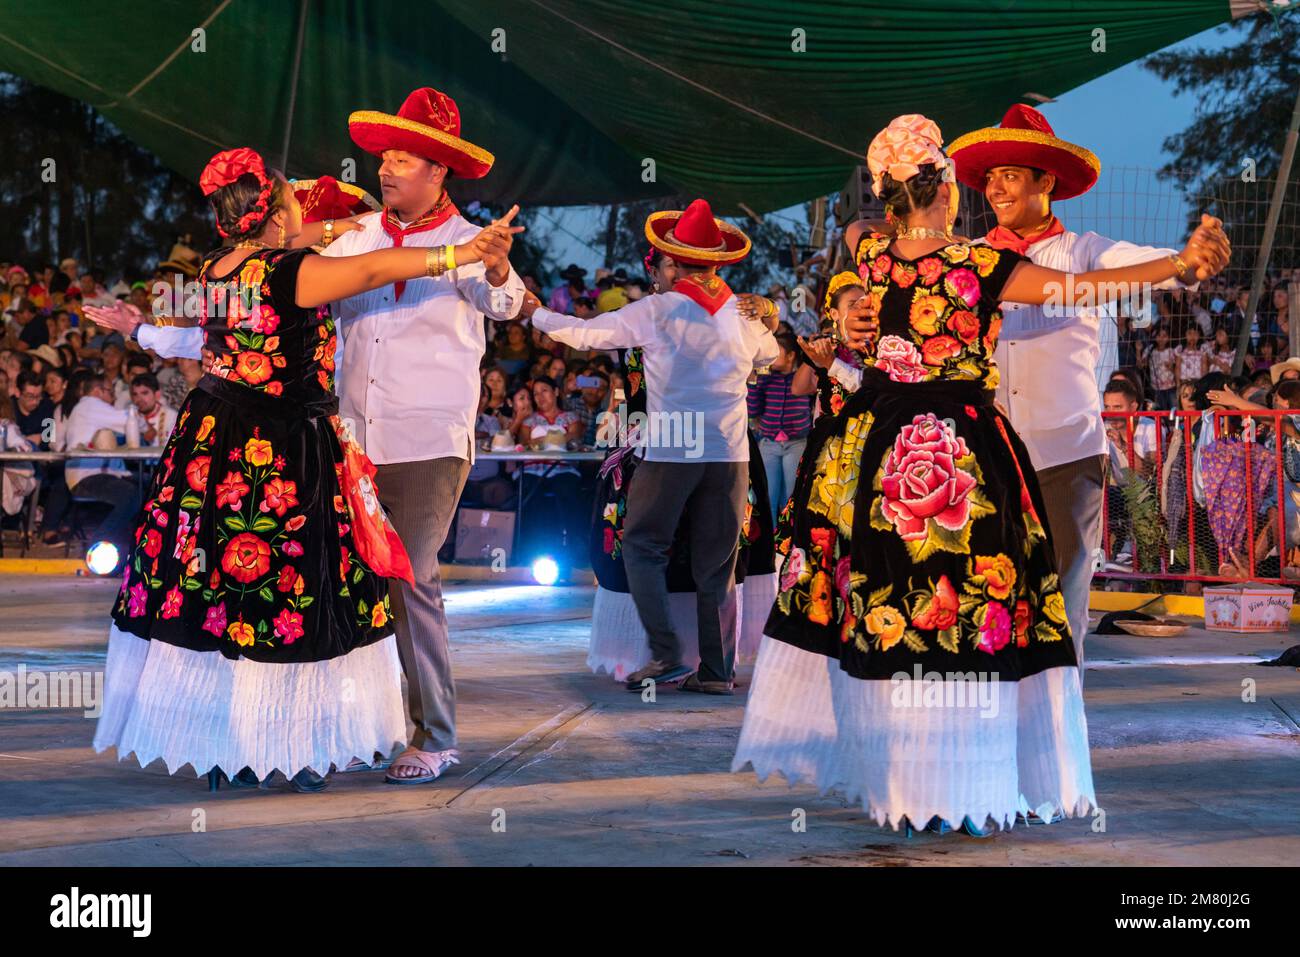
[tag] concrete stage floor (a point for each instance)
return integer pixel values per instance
(582, 772)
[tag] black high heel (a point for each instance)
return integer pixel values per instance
(308, 781)
(244, 779)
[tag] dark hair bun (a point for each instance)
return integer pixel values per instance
(907, 195)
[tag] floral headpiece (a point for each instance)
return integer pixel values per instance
(901, 148)
(839, 281)
(225, 168)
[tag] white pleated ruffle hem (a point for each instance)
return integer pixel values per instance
(903, 753)
(619, 644)
(205, 710)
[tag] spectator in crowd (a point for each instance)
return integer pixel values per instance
(1224, 351)
(782, 420)
(557, 517)
(1193, 355)
(1281, 321)
(1160, 360)
(591, 400)
(55, 384)
(1236, 315)
(496, 400)
(176, 388)
(1132, 445)
(513, 355)
(33, 331)
(521, 404)
(33, 411)
(572, 287)
(66, 277)
(1264, 356)
(151, 420)
(584, 307)
(94, 423)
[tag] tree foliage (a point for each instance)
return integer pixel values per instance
(73, 185)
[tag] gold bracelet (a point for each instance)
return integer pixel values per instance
(433, 262)
(450, 252)
(328, 236)
(1180, 267)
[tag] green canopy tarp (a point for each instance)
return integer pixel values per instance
(755, 104)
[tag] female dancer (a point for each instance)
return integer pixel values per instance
(919, 655)
(619, 644)
(252, 632)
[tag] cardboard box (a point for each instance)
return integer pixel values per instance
(482, 535)
(1248, 607)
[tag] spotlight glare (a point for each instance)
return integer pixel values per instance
(102, 558)
(546, 571)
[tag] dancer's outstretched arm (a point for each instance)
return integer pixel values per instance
(324, 279)
(170, 342)
(1206, 254)
(633, 325)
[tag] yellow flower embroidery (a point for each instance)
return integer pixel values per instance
(835, 483)
(887, 624)
(927, 311)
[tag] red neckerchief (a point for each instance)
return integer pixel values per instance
(442, 211)
(705, 290)
(1002, 238)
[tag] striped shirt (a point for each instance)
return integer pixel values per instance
(780, 414)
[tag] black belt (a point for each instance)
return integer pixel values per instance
(275, 406)
(965, 391)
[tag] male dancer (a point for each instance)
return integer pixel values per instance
(1048, 361)
(408, 380)
(699, 350)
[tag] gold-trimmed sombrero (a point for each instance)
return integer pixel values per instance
(695, 237)
(327, 198)
(1025, 138)
(428, 125)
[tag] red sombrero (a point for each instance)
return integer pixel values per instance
(428, 125)
(694, 237)
(1025, 138)
(327, 198)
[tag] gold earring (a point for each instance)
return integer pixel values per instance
(281, 241)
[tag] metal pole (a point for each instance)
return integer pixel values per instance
(1293, 316)
(293, 85)
(1270, 232)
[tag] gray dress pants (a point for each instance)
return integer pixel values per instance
(711, 495)
(1072, 493)
(421, 499)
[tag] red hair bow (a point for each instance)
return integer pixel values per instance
(225, 168)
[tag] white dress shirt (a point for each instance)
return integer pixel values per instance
(408, 369)
(1050, 365)
(696, 367)
(88, 416)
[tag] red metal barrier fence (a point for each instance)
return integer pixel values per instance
(1202, 496)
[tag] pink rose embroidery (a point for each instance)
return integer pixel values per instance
(922, 481)
(996, 630)
(963, 284)
(899, 359)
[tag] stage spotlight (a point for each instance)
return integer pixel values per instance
(546, 571)
(102, 558)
